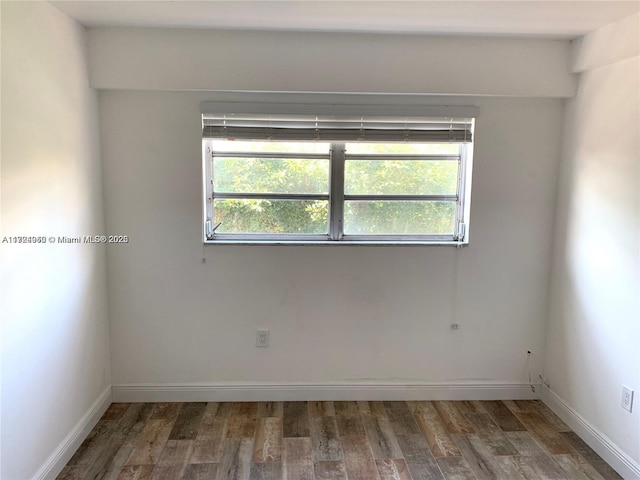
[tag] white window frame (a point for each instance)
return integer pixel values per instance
(336, 195)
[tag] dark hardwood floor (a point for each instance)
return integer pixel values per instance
(334, 440)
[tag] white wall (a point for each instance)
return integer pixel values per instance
(593, 335)
(610, 44)
(338, 315)
(346, 315)
(227, 60)
(55, 358)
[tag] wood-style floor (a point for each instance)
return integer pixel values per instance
(334, 440)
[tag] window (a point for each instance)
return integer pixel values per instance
(336, 179)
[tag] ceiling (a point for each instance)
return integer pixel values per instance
(556, 19)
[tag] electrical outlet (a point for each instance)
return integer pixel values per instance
(627, 398)
(262, 338)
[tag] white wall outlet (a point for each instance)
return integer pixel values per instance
(627, 398)
(262, 338)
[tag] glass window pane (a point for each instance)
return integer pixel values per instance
(403, 148)
(374, 217)
(270, 175)
(271, 147)
(400, 177)
(271, 216)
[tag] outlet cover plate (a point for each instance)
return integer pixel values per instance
(262, 338)
(627, 398)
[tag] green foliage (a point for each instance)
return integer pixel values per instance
(398, 218)
(272, 216)
(270, 175)
(400, 177)
(311, 176)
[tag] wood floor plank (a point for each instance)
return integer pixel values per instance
(188, 421)
(115, 411)
(404, 425)
(212, 409)
(168, 472)
(508, 423)
(350, 425)
(396, 408)
(200, 471)
(393, 469)
(533, 467)
(109, 462)
(401, 418)
(73, 472)
(455, 468)
(495, 407)
(133, 422)
(478, 457)
(525, 444)
(372, 408)
(270, 409)
(577, 467)
(551, 417)
(207, 447)
(175, 452)
(136, 472)
(346, 408)
(344, 440)
(511, 405)
(266, 471)
(421, 463)
(325, 442)
(382, 438)
(241, 426)
(321, 409)
(490, 434)
(453, 419)
(545, 412)
(469, 406)
(503, 417)
(166, 411)
(104, 460)
(525, 405)
(544, 433)
(358, 458)
(547, 468)
(421, 406)
(329, 470)
(95, 442)
(518, 467)
(590, 456)
(236, 459)
(295, 419)
(434, 431)
(245, 409)
(297, 459)
(267, 445)
(222, 409)
(151, 442)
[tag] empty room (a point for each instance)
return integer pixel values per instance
(320, 240)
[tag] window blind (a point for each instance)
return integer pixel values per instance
(233, 122)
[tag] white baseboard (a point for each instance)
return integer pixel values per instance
(233, 392)
(603, 446)
(59, 458)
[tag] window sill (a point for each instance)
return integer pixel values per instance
(325, 243)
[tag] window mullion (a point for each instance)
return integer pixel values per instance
(336, 213)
